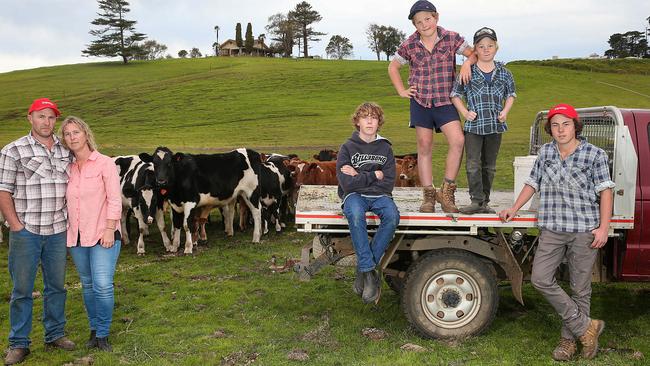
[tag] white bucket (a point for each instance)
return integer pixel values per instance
(523, 165)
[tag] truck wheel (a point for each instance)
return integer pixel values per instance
(450, 294)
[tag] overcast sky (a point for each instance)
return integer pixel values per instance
(37, 33)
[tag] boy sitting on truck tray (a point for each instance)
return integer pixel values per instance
(490, 94)
(365, 169)
(572, 177)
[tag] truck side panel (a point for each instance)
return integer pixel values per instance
(635, 264)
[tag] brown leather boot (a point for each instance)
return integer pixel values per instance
(589, 340)
(565, 350)
(429, 198)
(63, 342)
(16, 355)
(447, 197)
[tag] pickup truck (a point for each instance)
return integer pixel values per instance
(446, 267)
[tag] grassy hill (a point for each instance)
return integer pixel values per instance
(273, 105)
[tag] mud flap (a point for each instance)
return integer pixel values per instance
(509, 263)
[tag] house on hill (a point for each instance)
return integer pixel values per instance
(229, 48)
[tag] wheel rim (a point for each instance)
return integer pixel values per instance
(451, 299)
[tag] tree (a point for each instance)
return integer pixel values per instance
(282, 30)
(182, 54)
(628, 44)
(116, 36)
(195, 53)
(216, 45)
(339, 47)
(375, 39)
(249, 42)
(238, 40)
(304, 16)
(391, 40)
(150, 50)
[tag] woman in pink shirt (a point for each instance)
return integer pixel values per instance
(94, 210)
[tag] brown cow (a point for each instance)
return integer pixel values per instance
(407, 172)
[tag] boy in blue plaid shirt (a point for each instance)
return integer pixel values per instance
(490, 94)
(572, 177)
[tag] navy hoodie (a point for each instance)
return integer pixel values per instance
(365, 158)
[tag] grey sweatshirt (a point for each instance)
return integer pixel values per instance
(365, 158)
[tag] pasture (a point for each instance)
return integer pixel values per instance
(224, 305)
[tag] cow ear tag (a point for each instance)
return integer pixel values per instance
(163, 191)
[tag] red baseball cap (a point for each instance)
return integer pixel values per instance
(42, 103)
(563, 109)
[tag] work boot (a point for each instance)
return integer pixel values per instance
(446, 197)
(63, 342)
(485, 208)
(92, 340)
(589, 340)
(565, 350)
(102, 344)
(16, 355)
(429, 198)
(357, 286)
(471, 209)
(371, 287)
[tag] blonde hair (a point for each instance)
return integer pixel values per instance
(83, 126)
(368, 109)
(433, 13)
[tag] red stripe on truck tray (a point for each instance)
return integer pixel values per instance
(445, 218)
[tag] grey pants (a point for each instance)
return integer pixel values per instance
(553, 246)
(481, 164)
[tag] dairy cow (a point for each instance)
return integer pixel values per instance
(202, 182)
(140, 194)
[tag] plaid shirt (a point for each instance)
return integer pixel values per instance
(569, 190)
(433, 73)
(486, 99)
(37, 179)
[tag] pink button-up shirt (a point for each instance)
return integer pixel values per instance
(93, 196)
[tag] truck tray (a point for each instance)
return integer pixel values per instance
(319, 210)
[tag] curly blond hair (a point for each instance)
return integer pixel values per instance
(368, 109)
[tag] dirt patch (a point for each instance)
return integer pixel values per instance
(298, 355)
(322, 334)
(239, 358)
(375, 334)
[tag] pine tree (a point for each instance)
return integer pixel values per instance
(116, 36)
(249, 41)
(304, 16)
(238, 38)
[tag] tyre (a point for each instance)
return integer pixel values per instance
(450, 294)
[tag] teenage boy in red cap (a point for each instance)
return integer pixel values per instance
(430, 53)
(490, 94)
(33, 180)
(572, 178)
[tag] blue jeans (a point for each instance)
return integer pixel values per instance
(26, 250)
(481, 163)
(96, 268)
(354, 209)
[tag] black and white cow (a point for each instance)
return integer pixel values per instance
(286, 183)
(140, 194)
(202, 182)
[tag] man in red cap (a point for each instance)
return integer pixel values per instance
(573, 180)
(33, 180)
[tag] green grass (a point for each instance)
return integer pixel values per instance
(168, 308)
(619, 66)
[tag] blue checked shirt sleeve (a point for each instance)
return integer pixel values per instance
(510, 85)
(458, 90)
(535, 177)
(601, 176)
(8, 168)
